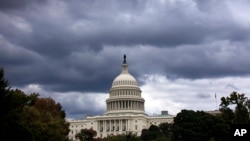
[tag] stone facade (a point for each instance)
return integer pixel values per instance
(125, 110)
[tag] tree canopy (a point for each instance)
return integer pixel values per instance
(235, 108)
(86, 134)
(30, 117)
(196, 126)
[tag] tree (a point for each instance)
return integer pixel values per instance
(47, 118)
(165, 129)
(4, 88)
(86, 134)
(151, 133)
(4, 85)
(196, 126)
(241, 113)
(12, 103)
(28, 117)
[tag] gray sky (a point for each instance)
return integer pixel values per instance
(181, 52)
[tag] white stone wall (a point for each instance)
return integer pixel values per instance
(103, 125)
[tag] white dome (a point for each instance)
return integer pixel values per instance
(124, 79)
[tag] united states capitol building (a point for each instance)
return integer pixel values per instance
(125, 110)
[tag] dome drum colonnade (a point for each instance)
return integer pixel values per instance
(125, 105)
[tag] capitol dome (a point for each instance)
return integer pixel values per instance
(125, 94)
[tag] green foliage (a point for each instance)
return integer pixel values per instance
(48, 120)
(86, 134)
(4, 85)
(196, 126)
(28, 117)
(157, 133)
(239, 115)
(150, 134)
(165, 129)
(123, 137)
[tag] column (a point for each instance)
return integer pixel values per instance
(120, 125)
(127, 128)
(116, 124)
(112, 124)
(129, 104)
(110, 127)
(131, 107)
(98, 125)
(122, 104)
(125, 124)
(125, 104)
(104, 126)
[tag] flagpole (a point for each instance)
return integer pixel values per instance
(215, 101)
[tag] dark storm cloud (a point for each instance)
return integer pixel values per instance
(79, 106)
(81, 111)
(78, 45)
(60, 24)
(14, 4)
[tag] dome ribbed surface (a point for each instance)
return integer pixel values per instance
(124, 79)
